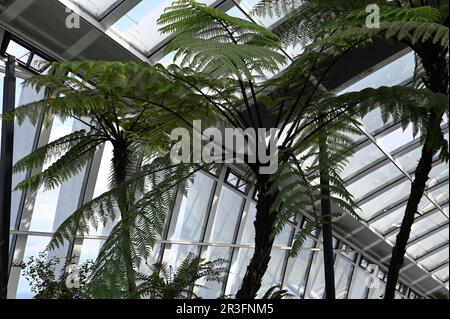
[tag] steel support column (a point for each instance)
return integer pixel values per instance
(6, 161)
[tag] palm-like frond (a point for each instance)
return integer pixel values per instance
(212, 41)
(165, 283)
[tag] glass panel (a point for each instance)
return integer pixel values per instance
(424, 225)
(193, 211)
(442, 274)
(46, 200)
(317, 278)
(35, 245)
(95, 8)
(90, 249)
(390, 221)
(174, 254)
(436, 259)
(409, 161)
(238, 269)
(394, 73)
(21, 53)
(384, 200)
(102, 186)
(139, 25)
(266, 21)
(373, 121)
(272, 277)
(227, 216)
(377, 290)
(343, 269)
(297, 270)
(374, 180)
(248, 235)
(440, 194)
(396, 139)
(362, 158)
(428, 244)
(359, 284)
(437, 173)
(212, 290)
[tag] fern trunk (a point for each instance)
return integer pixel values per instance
(434, 61)
(399, 250)
(121, 165)
(327, 228)
(264, 224)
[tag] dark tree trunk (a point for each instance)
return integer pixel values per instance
(399, 250)
(434, 61)
(327, 228)
(121, 162)
(264, 224)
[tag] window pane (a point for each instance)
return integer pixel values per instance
(238, 269)
(35, 245)
(342, 275)
(47, 200)
(272, 277)
(359, 284)
(317, 278)
(297, 270)
(384, 200)
(193, 211)
(212, 289)
(228, 213)
(374, 180)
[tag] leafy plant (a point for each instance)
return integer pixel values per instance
(142, 180)
(164, 282)
(47, 282)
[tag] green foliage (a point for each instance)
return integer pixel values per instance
(213, 42)
(47, 282)
(165, 283)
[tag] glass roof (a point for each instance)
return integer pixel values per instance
(95, 7)
(375, 173)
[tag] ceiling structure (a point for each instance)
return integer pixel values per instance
(378, 175)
